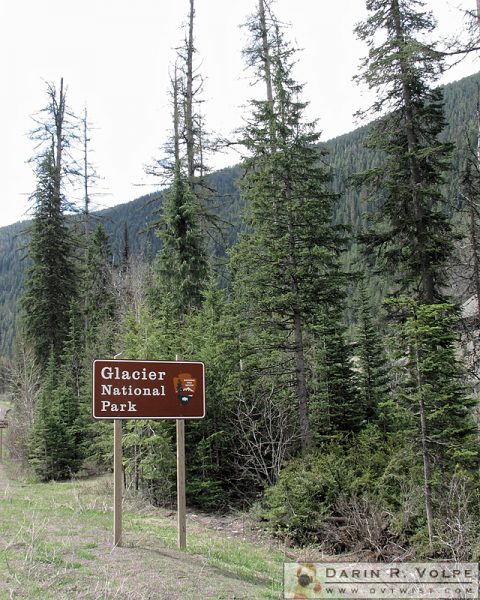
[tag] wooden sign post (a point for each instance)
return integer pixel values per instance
(117, 483)
(3, 425)
(181, 495)
(117, 478)
(181, 498)
(134, 389)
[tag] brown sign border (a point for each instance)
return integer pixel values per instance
(158, 363)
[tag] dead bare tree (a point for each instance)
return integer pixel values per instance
(56, 129)
(23, 385)
(130, 285)
(266, 436)
(456, 528)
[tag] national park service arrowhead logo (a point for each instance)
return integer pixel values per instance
(185, 387)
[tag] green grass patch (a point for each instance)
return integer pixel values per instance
(55, 538)
(246, 560)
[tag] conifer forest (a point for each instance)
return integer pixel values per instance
(332, 291)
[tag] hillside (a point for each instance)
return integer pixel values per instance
(347, 156)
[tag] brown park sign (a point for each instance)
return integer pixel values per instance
(139, 389)
(3, 423)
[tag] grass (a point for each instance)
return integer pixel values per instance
(56, 542)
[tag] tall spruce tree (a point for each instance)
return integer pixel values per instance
(98, 284)
(335, 405)
(182, 266)
(413, 237)
(373, 376)
(53, 452)
(434, 393)
(285, 268)
(50, 283)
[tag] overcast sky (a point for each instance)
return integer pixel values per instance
(114, 56)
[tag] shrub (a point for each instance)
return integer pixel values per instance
(305, 494)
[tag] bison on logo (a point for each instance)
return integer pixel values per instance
(185, 387)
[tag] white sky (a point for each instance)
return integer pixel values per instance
(114, 56)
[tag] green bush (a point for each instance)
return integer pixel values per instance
(305, 493)
(338, 483)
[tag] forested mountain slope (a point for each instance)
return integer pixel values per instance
(347, 156)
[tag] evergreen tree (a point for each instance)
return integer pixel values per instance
(335, 405)
(433, 391)
(53, 451)
(73, 353)
(373, 376)
(286, 266)
(208, 336)
(413, 237)
(182, 271)
(182, 265)
(469, 192)
(98, 284)
(182, 268)
(436, 378)
(51, 279)
(125, 248)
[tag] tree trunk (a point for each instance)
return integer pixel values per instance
(189, 128)
(85, 178)
(427, 468)
(267, 63)
(266, 52)
(473, 216)
(298, 328)
(301, 385)
(427, 472)
(475, 250)
(59, 113)
(86, 213)
(427, 279)
(176, 122)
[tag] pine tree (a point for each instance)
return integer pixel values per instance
(98, 284)
(438, 377)
(373, 376)
(413, 237)
(182, 265)
(73, 353)
(53, 452)
(434, 391)
(335, 405)
(210, 445)
(125, 249)
(286, 267)
(51, 279)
